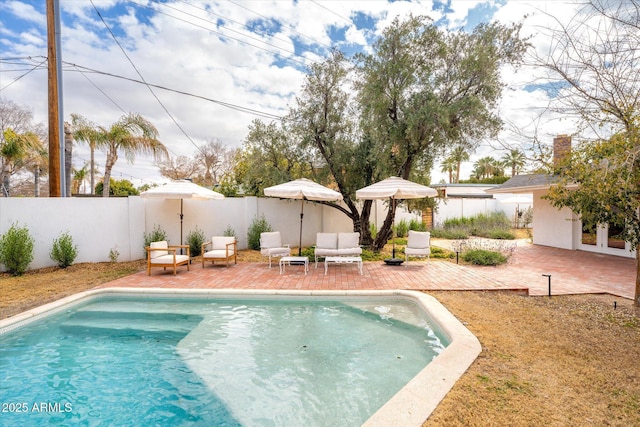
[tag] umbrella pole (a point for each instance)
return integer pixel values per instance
(393, 227)
(301, 215)
(181, 216)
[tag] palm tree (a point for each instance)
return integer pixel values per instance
(79, 176)
(132, 134)
(485, 167)
(448, 166)
(515, 159)
(84, 130)
(17, 151)
(459, 155)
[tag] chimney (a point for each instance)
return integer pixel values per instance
(561, 148)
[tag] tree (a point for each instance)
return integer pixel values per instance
(79, 177)
(19, 120)
(459, 155)
(132, 134)
(121, 188)
(448, 165)
(17, 151)
(515, 159)
(423, 89)
(322, 120)
(85, 131)
(487, 167)
(181, 167)
(268, 158)
(593, 65)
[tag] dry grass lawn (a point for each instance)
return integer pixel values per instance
(560, 361)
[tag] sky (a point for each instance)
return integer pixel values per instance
(215, 66)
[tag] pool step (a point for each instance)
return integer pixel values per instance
(169, 326)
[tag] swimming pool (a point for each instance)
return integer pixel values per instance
(223, 358)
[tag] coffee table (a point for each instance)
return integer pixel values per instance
(295, 260)
(343, 260)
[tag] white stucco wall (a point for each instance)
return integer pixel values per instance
(98, 225)
(552, 227)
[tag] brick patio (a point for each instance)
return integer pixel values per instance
(572, 272)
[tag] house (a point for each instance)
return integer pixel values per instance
(562, 228)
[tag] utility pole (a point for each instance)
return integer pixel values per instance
(56, 138)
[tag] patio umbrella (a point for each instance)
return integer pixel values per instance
(181, 189)
(395, 188)
(303, 189)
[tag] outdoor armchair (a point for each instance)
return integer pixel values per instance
(222, 248)
(160, 254)
(271, 245)
(418, 245)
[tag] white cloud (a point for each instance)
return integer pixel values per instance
(212, 56)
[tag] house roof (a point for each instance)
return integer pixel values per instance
(525, 183)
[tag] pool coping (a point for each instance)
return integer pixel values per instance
(410, 406)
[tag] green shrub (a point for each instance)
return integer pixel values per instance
(416, 225)
(229, 232)
(402, 229)
(484, 257)
(441, 253)
(114, 254)
(259, 225)
(501, 234)
(157, 235)
(454, 234)
(195, 239)
(373, 230)
(16, 250)
(63, 251)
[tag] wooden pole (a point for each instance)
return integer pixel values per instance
(54, 115)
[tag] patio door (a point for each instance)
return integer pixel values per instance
(604, 238)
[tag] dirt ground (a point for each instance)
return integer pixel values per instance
(559, 361)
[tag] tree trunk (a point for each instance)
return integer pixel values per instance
(36, 179)
(636, 298)
(106, 183)
(68, 151)
(92, 150)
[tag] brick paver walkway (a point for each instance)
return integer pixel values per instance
(572, 272)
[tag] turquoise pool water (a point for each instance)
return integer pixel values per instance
(214, 362)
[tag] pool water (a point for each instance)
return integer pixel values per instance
(214, 362)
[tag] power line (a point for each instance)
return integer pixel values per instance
(23, 75)
(303, 63)
(142, 78)
(215, 101)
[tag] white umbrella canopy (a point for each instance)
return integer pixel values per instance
(181, 189)
(395, 188)
(303, 189)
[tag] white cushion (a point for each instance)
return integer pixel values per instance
(168, 259)
(326, 241)
(350, 251)
(348, 240)
(270, 239)
(156, 254)
(418, 239)
(218, 253)
(221, 242)
(276, 251)
(325, 252)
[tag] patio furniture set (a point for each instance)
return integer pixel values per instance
(335, 248)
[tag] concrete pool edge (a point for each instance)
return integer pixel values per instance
(411, 406)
